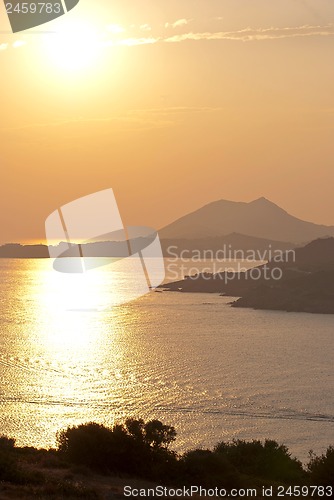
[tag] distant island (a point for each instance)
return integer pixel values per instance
(231, 244)
(18, 251)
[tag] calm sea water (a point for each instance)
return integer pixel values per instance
(214, 372)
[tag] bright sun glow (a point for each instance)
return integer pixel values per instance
(76, 47)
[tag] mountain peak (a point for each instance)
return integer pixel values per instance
(262, 201)
(265, 204)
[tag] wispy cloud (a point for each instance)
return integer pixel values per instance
(245, 35)
(130, 42)
(117, 36)
(178, 23)
(250, 34)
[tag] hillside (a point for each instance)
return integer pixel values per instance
(306, 282)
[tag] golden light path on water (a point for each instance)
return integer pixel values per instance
(212, 371)
(77, 339)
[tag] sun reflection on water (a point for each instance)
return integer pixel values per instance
(79, 352)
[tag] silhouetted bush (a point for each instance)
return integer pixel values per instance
(140, 449)
(10, 470)
(321, 468)
(159, 435)
(267, 460)
(93, 445)
(133, 447)
(6, 443)
(208, 469)
(153, 434)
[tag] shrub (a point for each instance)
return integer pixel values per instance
(321, 468)
(12, 472)
(9, 470)
(134, 448)
(7, 443)
(92, 444)
(159, 435)
(208, 469)
(267, 460)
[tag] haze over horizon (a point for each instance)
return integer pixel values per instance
(173, 106)
(258, 219)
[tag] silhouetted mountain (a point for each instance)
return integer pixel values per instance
(302, 281)
(259, 218)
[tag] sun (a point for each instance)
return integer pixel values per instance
(76, 47)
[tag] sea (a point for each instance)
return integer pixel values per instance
(214, 372)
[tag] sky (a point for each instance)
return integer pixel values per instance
(173, 104)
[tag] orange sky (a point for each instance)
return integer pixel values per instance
(176, 104)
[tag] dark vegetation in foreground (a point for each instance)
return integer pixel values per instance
(91, 458)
